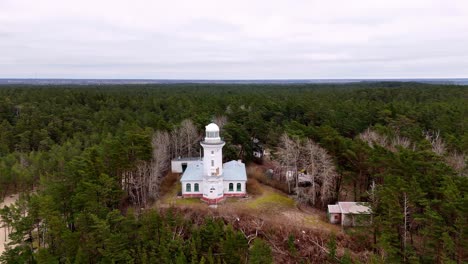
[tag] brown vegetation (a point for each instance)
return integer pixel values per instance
(253, 187)
(311, 245)
(257, 173)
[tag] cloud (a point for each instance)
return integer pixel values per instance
(233, 39)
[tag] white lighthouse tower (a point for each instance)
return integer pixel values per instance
(212, 151)
(209, 178)
(212, 163)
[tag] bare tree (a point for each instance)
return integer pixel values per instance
(142, 183)
(176, 143)
(454, 159)
(405, 222)
(184, 139)
(458, 162)
(220, 120)
(289, 154)
(437, 143)
(321, 169)
(160, 161)
(373, 138)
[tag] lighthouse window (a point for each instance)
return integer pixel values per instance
(212, 152)
(212, 134)
(188, 187)
(231, 187)
(212, 163)
(238, 187)
(196, 188)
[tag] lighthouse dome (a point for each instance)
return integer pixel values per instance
(212, 127)
(212, 133)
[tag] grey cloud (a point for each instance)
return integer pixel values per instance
(203, 44)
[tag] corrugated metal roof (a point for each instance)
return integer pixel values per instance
(354, 208)
(234, 171)
(334, 209)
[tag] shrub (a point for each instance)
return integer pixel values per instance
(253, 187)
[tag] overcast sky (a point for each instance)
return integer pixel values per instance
(197, 39)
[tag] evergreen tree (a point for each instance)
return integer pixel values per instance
(260, 252)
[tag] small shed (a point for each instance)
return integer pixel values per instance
(350, 213)
(334, 214)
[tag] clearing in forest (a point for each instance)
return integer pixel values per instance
(269, 204)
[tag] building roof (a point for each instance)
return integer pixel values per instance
(334, 209)
(187, 159)
(354, 208)
(234, 171)
(193, 172)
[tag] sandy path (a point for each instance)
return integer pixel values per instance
(3, 231)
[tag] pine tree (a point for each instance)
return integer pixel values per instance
(260, 252)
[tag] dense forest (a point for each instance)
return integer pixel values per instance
(70, 149)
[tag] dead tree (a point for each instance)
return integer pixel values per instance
(320, 167)
(184, 139)
(437, 143)
(142, 182)
(458, 162)
(289, 154)
(220, 120)
(373, 138)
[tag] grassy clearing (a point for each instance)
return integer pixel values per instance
(169, 196)
(271, 201)
(263, 201)
(187, 201)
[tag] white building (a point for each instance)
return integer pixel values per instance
(208, 177)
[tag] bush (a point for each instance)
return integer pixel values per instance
(259, 175)
(253, 187)
(168, 183)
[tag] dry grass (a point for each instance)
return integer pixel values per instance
(253, 187)
(257, 173)
(271, 200)
(168, 183)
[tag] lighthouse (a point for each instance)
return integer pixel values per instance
(212, 151)
(212, 164)
(208, 177)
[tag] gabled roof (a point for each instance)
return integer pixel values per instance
(194, 172)
(334, 209)
(234, 171)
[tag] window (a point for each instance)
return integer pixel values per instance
(212, 152)
(231, 187)
(212, 163)
(195, 188)
(239, 187)
(188, 188)
(212, 134)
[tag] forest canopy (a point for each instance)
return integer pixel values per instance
(396, 145)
